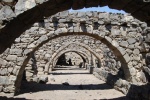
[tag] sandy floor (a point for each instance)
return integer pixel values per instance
(70, 83)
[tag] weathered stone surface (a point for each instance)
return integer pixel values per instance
(10, 69)
(124, 44)
(9, 89)
(6, 13)
(11, 57)
(136, 51)
(15, 51)
(4, 80)
(131, 40)
(23, 5)
(109, 32)
(3, 62)
(127, 57)
(1, 88)
(4, 71)
(114, 43)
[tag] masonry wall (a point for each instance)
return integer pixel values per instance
(124, 35)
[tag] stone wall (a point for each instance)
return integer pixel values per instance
(122, 34)
(13, 8)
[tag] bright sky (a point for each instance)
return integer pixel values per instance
(100, 9)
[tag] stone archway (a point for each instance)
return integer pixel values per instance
(71, 43)
(84, 56)
(53, 61)
(106, 33)
(45, 9)
(62, 51)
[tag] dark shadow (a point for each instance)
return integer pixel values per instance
(35, 87)
(41, 23)
(139, 92)
(67, 73)
(120, 98)
(6, 98)
(62, 60)
(34, 64)
(62, 67)
(68, 69)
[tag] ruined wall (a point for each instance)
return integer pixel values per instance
(121, 33)
(12, 8)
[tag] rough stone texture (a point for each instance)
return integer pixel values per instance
(36, 10)
(110, 29)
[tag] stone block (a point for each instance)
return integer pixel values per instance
(89, 13)
(20, 59)
(141, 77)
(9, 89)
(132, 46)
(126, 57)
(11, 57)
(40, 69)
(136, 51)
(15, 70)
(40, 73)
(124, 44)
(3, 62)
(40, 1)
(108, 39)
(122, 50)
(4, 80)
(62, 20)
(132, 71)
(22, 6)
(12, 78)
(115, 32)
(3, 71)
(15, 51)
(29, 74)
(131, 40)
(81, 14)
(115, 43)
(32, 45)
(35, 79)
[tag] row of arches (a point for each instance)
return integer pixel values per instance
(112, 35)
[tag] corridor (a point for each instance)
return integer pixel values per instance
(70, 83)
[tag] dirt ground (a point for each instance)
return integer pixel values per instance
(70, 83)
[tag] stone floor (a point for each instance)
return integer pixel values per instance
(70, 83)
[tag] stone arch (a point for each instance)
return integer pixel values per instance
(81, 27)
(59, 52)
(76, 43)
(103, 40)
(81, 54)
(45, 9)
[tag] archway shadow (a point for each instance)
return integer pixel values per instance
(6, 98)
(68, 73)
(36, 87)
